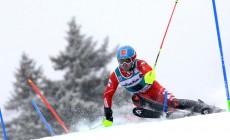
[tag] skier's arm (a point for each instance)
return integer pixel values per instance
(110, 90)
(147, 71)
(108, 94)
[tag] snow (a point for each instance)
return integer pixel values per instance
(212, 126)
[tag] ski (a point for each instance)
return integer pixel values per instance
(173, 114)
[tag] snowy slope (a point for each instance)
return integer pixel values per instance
(205, 127)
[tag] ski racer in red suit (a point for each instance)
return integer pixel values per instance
(138, 78)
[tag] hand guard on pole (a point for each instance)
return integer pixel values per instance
(150, 77)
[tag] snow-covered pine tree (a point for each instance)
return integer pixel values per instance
(84, 81)
(25, 123)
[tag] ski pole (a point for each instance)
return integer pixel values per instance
(3, 126)
(221, 53)
(95, 127)
(165, 35)
(48, 105)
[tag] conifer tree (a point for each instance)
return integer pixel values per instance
(84, 81)
(25, 123)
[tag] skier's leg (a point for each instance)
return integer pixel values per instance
(154, 98)
(144, 101)
(197, 106)
(151, 109)
(157, 93)
(145, 108)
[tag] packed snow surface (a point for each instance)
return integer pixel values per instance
(202, 127)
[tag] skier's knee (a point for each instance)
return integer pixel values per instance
(136, 100)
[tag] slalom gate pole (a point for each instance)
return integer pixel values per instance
(165, 34)
(3, 126)
(48, 105)
(43, 118)
(221, 53)
(165, 101)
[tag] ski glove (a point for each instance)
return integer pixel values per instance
(150, 77)
(108, 117)
(107, 123)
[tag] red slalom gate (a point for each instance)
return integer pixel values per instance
(48, 105)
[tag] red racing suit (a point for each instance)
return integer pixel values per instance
(154, 92)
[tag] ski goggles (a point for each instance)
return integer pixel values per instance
(123, 61)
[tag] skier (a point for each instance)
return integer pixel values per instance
(150, 98)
